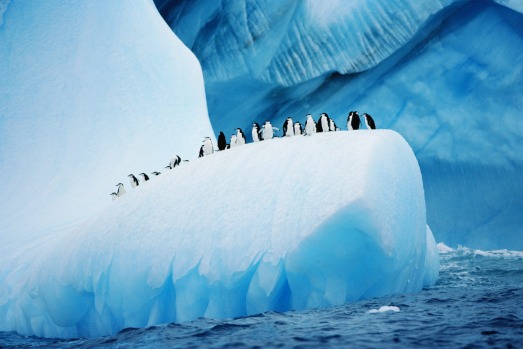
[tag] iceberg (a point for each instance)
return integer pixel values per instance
(444, 74)
(89, 92)
(289, 223)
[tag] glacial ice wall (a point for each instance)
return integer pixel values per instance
(294, 223)
(447, 75)
(90, 91)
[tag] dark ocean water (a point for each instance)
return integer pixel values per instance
(477, 303)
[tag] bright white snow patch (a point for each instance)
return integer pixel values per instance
(283, 224)
(384, 309)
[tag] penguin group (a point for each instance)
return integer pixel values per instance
(260, 133)
(290, 128)
(175, 161)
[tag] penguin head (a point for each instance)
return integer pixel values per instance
(130, 175)
(119, 184)
(113, 194)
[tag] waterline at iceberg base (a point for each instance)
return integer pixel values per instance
(290, 223)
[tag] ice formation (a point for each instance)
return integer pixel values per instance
(289, 223)
(445, 74)
(90, 91)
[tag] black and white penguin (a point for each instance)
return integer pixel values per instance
(310, 126)
(207, 147)
(288, 129)
(298, 129)
(200, 154)
(332, 125)
(145, 177)
(268, 132)
(233, 142)
(240, 137)
(369, 121)
(134, 180)
(353, 121)
(121, 190)
(156, 173)
(222, 142)
(323, 123)
(256, 132)
(175, 161)
(114, 196)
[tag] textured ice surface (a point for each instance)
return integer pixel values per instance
(292, 223)
(90, 91)
(447, 75)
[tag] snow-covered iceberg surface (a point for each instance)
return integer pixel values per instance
(288, 223)
(90, 91)
(445, 74)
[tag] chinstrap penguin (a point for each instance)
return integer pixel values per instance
(207, 146)
(310, 125)
(134, 180)
(240, 137)
(234, 141)
(121, 190)
(288, 129)
(222, 142)
(323, 123)
(145, 177)
(369, 121)
(353, 121)
(256, 132)
(298, 129)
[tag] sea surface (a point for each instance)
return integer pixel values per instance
(477, 303)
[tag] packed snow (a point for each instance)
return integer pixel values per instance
(90, 91)
(288, 223)
(447, 75)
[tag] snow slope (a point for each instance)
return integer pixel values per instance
(447, 75)
(90, 91)
(290, 223)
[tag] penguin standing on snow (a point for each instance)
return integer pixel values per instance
(332, 125)
(156, 173)
(222, 142)
(268, 130)
(207, 146)
(288, 129)
(234, 141)
(145, 177)
(353, 121)
(175, 161)
(134, 180)
(298, 130)
(240, 137)
(369, 121)
(121, 190)
(256, 132)
(323, 123)
(114, 196)
(310, 125)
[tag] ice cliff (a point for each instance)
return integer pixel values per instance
(90, 91)
(283, 224)
(445, 74)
